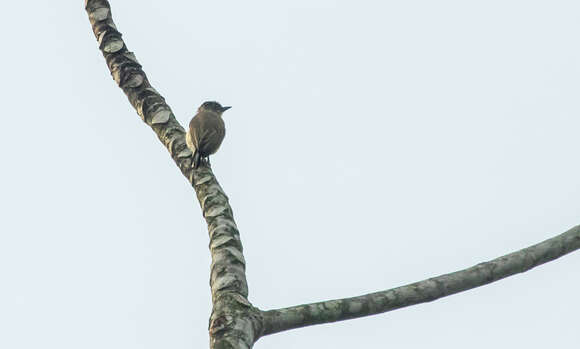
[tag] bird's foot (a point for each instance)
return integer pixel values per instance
(205, 162)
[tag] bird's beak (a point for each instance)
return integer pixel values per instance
(225, 108)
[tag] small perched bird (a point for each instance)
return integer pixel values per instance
(206, 131)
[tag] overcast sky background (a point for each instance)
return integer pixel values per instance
(370, 144)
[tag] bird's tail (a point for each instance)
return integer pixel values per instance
(196, 159)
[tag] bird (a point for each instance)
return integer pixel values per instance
(206, 131)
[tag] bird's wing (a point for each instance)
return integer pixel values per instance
(213, 135)
(207, 132)
(194, 130)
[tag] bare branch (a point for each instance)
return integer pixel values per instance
(234, 321)
(423, 291)
(127, 73)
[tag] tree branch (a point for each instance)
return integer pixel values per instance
(234, 321)
(423, 291)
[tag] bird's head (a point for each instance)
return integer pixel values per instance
(213, 107)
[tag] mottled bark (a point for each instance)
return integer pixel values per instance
(422, 291)
(234, 322)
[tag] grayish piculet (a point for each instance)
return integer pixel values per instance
(206, 131)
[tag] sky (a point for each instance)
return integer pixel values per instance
(371, 144)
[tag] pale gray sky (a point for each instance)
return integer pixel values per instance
(370, 144)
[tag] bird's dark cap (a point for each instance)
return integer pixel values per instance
(214, 106)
